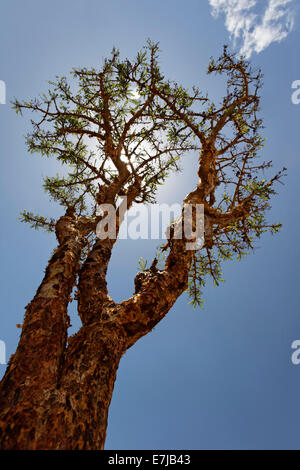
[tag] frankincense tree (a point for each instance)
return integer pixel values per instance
(119, 131)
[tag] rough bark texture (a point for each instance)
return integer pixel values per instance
(74, 413)
(57, 396)
(92, 288)
(35, 367)
(57, 390)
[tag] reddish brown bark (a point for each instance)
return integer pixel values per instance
(57, 396)
(35, 367)
(57, 390)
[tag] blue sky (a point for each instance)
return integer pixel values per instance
(216, 378)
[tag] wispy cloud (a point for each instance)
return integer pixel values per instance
(255, 30)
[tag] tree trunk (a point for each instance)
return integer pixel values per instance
(75, 412)
(35, 367)
(56, 395)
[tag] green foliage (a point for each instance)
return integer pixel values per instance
(102, 126)
(122, 129)
(142, 264)
(37, 221)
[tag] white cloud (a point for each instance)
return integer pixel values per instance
(253, 30)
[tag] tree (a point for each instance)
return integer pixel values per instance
(120, 133)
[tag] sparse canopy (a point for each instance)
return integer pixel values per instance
(120, 131)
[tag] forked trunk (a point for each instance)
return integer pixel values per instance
(56, 395)
(73, 413)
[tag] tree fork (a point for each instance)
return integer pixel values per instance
(56, 395)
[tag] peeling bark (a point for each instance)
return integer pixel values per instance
(92, 287)
(74, 414)
(59, 398)
(56, 395)
(56, 392)
(35, 367)
(156, 293)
